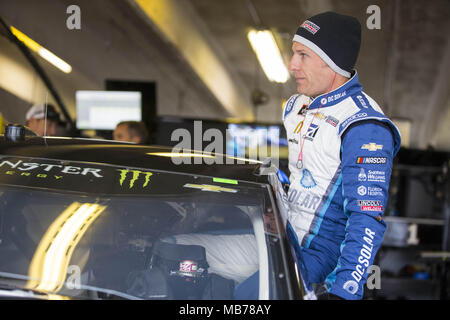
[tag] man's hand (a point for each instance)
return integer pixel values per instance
(284, 179)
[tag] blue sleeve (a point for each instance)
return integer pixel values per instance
(367, 151)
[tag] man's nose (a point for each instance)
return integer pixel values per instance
(293, 64)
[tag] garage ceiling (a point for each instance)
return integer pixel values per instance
(403, 66)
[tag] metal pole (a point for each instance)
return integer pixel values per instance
(40, 72)
(445, 238)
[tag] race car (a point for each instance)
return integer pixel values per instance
(98, 219)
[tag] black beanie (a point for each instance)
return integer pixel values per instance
(334, 37)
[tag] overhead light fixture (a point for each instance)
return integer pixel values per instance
(268, 54)
(44, 53)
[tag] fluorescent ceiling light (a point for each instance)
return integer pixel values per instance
(44, 53)
(268, 54)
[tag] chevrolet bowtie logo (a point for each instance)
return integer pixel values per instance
(372, 146)
(208, 187)
(135, 176)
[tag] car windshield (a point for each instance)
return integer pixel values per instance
(132, 233)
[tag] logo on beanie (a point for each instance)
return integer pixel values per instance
(311, 27)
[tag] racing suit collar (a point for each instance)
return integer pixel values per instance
(347, 89)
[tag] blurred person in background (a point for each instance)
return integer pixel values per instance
(39, 123)
(131, 131)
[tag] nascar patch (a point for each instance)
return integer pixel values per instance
(371, 160)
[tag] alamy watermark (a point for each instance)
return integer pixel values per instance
(73, 22)
(239, 143)
(374, 278)
(374, 20)
(73, 281)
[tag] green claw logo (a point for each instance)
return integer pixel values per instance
(136, 174)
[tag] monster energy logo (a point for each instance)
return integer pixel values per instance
(135, 176)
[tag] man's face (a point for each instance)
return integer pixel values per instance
(38, 127)
(121, 133)
(313, 76)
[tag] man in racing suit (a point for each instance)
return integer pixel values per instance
(341, 148)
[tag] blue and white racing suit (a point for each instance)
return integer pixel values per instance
(337, 198)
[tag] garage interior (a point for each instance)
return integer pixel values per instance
(192, 61)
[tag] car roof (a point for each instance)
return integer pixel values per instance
(130, 155)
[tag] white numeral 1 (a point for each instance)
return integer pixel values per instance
(413, 235)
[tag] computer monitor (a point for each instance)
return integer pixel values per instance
(242, 138)
(103, 110)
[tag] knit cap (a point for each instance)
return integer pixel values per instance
(334, 37)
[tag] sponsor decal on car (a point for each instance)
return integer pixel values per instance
(135, 174)
(208, 187)
(46, 170)
(228, 181)
(28, 174)
(188, 266)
